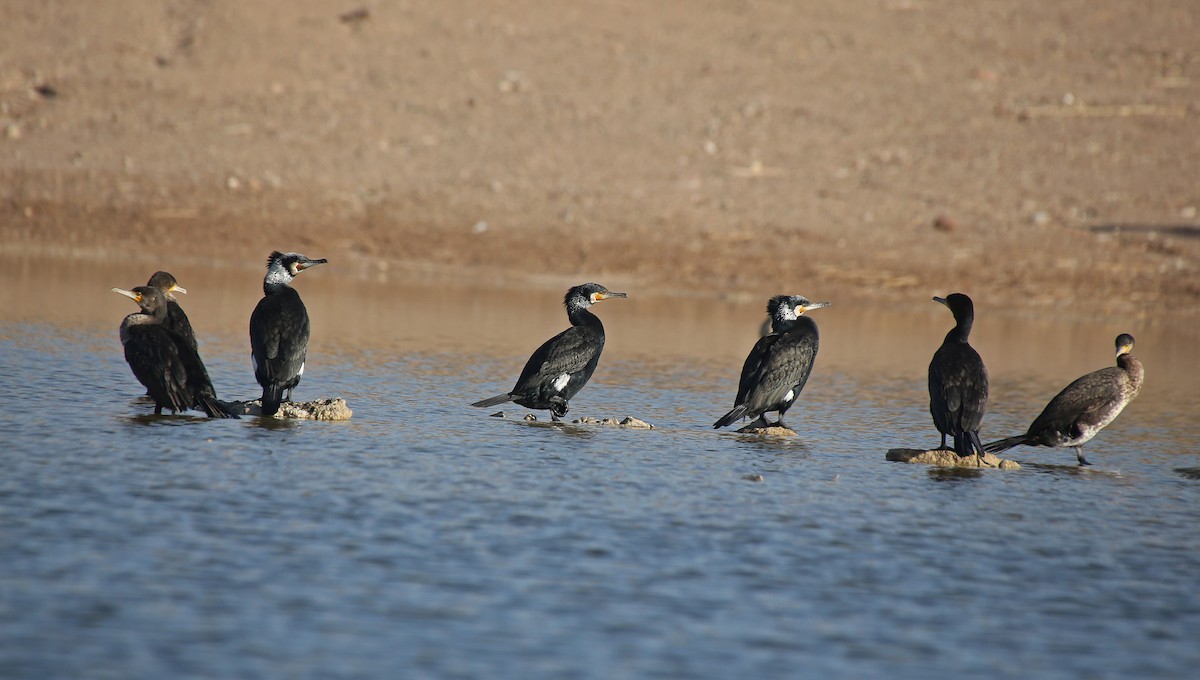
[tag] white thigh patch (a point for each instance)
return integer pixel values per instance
(301, 370)
(560, 383)
(790, 395)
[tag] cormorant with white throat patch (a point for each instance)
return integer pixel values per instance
(958, 381)
(279, 330)
(778, 366)
(1083, 408)
(563, 364)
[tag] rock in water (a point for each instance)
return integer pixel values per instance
(948, 458)
(628, 422)
(319, 409)
(770, 430)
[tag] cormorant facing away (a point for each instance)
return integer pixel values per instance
(177, 322)
(778, 366)
(564, 363)
(162, 361)
(279, 330)
(958, 382)
(1084, 407)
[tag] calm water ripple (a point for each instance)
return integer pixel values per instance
(425, 538)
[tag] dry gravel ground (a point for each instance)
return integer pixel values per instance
(1032, 154)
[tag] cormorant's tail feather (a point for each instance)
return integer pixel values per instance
(271, 398)
(492, 401)
(1004, 444)
(215, 408)
(738, 412)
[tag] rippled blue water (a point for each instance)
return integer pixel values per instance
(423, 538)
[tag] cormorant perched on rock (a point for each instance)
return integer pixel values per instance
(279, 330)
(778, 366)
(162, 361)
(1084, 407)
(177, 322)
(958, 381)
(564, 363)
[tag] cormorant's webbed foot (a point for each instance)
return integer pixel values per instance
(1083, 462)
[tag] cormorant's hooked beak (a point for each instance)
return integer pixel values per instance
(306, 263)
(609, 294)
(941, 300)
(177, 289)
(810, 306)
(136, 297)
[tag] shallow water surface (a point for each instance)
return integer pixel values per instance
(426, 539)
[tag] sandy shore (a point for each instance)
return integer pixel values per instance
(1032, 155)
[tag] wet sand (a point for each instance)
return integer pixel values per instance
(1038, 157)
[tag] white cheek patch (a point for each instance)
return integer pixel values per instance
(561, 382)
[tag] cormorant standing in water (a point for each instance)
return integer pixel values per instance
(177, 322)
(958, 382)
(279, 330)
(778, 366)
(162, 361)
(564, 363)
(1084, 407)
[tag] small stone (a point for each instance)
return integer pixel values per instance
(12, 131)
(530, 417)
(233, 183)
(499, 414)
(752, 478)
(1041, 218)
(635, 423)
(945, 223)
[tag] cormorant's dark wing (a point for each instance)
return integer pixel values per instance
(568, 352)
(788, 364)
(279, 329)
(153, 356)
(958, 388)
(178, 323)
(753, 366)
(1085, 402)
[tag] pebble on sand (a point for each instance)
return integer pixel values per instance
(318, 409)
(948, 458)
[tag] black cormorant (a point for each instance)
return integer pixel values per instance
(778, 366)
(564, 363)
(177, 322)
(1084, 407)
(162, 361)
(279, 330)
(958, 382)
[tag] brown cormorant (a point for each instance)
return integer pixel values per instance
(564, 363)
(279, 330)
(1084, 407)
(163, 362)
(778, 366)
(958, 381)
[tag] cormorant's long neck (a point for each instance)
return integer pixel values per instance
(961, 330)
(580, 316)
(277, 279)
(1132, 367)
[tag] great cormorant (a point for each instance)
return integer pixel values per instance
(564, 363)
(177, 322)
(1084, 407)
(162, 361)
(958, 382)
(279, 330)
(778, 366)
